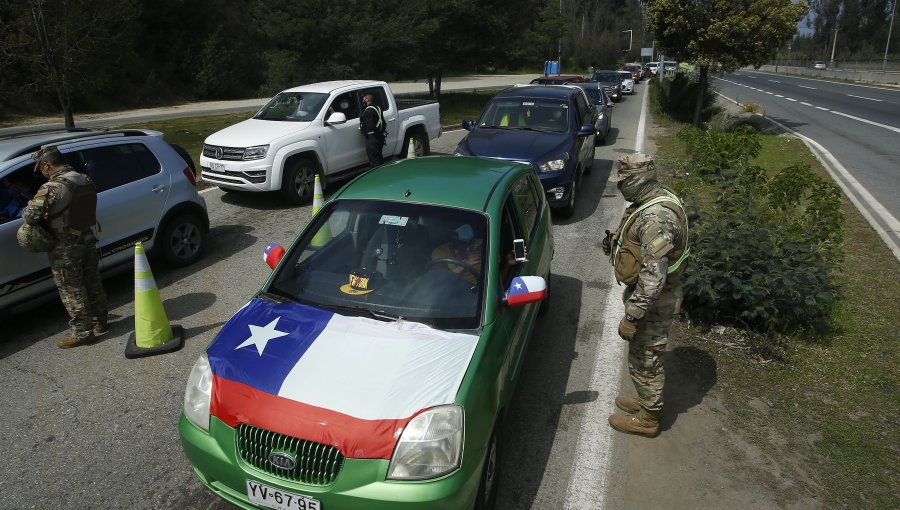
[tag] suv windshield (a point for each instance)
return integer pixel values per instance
(607, 78)
(540, 114)
(292, 107)
(390, 260)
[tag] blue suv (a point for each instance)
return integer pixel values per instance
(551, 127)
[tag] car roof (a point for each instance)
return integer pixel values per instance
(327, 87)
(539, 91)
(26, 142)
(454, 181)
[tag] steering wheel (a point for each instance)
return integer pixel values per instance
(456, 262)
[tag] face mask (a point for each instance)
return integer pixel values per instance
(631, 188)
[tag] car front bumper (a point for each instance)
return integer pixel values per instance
(361, 484)
(244, 175)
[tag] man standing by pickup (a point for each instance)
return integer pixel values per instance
(371, 123)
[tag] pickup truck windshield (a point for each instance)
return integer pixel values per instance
(292, 107)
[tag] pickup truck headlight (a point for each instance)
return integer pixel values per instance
(198, 392)
(257, 152)
(430, 445)
(557, 164)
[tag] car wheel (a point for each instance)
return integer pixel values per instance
(298, 183)
(487, 491)
(185, 156)
(569, 209)
(420, 143)
(182, 240)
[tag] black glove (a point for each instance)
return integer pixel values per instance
(607, 243)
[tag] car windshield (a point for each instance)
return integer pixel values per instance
(609, 78)
(390, 260)
(292, 107)
(539, 114)
(595, 94)
(626, 75)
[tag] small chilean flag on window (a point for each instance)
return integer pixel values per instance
(272, 254)
(526, 289)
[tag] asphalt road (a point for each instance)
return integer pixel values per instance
(87, 428)
(854, 129)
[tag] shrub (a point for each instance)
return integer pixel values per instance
(677, 97)
(763, 250)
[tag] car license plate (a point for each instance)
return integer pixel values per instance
(218, 167)
(269, 497)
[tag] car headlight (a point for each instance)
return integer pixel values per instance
(257, 152)
(601, 116)
(198, 392)
(557, 164)
(430, 445)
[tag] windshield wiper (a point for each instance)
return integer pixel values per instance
(359, 310)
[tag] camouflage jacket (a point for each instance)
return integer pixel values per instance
(659, 232)
(53, 199)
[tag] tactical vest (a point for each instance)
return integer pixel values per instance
(378, 123)
(76, 208)
(626, 254)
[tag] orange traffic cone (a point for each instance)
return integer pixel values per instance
(411, 149)
(152, 333)
(324, 234)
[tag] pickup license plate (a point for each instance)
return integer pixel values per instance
(269, 497)
(217, 167)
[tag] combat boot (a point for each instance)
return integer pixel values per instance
(642, 423)
(628, 404)
(71, 341)
(101, 326)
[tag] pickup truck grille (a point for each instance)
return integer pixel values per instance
(225, 153)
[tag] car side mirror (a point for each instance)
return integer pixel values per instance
(586, 130)
(524, 290)
(468, 124)
(273, 254)
(336, 118)
(611, 105)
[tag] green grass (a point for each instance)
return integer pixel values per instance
(836, 401)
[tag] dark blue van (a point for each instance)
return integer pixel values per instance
(550, 127)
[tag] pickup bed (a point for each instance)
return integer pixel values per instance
(313, 130)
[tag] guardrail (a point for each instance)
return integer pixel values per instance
(886, 78)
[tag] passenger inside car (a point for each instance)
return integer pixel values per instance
(14, 195)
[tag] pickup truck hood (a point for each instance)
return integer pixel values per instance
(350, 382)
(518, 145)
(252, 132)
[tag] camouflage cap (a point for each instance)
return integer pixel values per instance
(634, 165)
(44, 151)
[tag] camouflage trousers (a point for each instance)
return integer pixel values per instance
(74, 263)
(645, 352)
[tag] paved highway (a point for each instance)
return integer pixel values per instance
(853, 129)
(87, 428)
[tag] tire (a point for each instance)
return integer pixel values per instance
(420, 142)
(298, 182)
(183, 240)
(569, 209)
(186, 157)
(487, 490)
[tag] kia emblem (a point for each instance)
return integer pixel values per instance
(282, 460)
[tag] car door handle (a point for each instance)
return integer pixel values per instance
(159, 188)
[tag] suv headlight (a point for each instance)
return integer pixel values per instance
(557, 164)
(430, 445)
(198, 392)
(257, 152)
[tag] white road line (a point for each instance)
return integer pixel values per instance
(770, 93)
(866, 98)
(791, 99)
(842, 177)
(805, 104)
(774, 81)
(867, 121)
(823, 109)
(805, 87)
(778, 95)
(589, 480)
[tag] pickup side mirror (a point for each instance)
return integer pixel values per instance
(274, 253)
(336, 118)
(524, 290)
(586, 130)
(468, 124)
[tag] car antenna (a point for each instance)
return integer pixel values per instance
(408, 193)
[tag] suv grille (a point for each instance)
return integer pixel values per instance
(316, 463)
(227, 153)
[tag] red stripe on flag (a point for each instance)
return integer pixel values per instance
(526, 297)
(235, 403)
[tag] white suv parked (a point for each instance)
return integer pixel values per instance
(146, 192)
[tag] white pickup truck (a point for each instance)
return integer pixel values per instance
(310, 130)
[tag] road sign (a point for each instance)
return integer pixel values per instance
(647, 52)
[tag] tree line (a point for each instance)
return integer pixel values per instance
(66, 56)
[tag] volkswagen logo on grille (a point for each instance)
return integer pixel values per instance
(282, 460)
(218, 152)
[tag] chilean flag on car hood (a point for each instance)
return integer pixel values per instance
(525, 289)
(349, 382)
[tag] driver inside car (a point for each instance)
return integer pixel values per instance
(461, 246)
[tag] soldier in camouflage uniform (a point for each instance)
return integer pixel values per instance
(649, 252)
(66, 206)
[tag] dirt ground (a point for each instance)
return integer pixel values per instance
(704, 458)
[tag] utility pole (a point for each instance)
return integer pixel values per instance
(833, 46)
(890, 28)
(559, 48)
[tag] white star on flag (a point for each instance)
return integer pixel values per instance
(518, 285)
(260, 336)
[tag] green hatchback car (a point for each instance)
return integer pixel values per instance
(373, 369)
